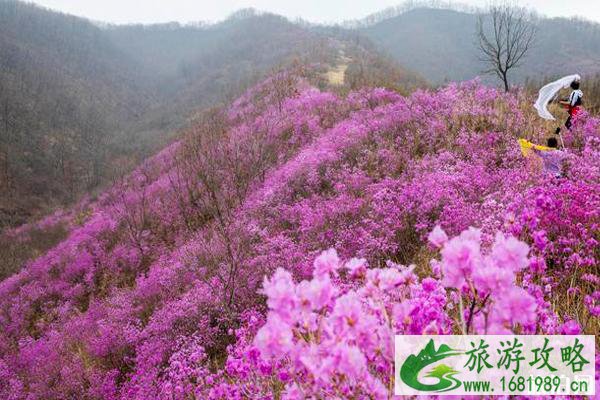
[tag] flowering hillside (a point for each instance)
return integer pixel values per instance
(276, 250)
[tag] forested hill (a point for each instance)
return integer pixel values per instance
(82, 102)
(441, 44)
(60, 80)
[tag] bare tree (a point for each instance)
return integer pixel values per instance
(506, 42)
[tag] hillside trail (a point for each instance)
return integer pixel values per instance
(337, 73)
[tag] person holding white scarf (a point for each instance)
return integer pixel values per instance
(573, 104)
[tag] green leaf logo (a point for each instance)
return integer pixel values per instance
(409, 372)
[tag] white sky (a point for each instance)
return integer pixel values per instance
(148, 11)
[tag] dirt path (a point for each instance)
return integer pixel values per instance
(337, 73)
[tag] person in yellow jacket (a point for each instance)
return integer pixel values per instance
(552, 157)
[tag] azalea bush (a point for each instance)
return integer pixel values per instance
(332, 335)
(202, 274)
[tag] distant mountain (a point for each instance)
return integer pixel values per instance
(441, 45)
(198, 65)
(83, 102)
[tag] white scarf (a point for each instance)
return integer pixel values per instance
(548, 92)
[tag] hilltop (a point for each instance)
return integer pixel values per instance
(291, 232)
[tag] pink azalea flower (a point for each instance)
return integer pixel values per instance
(317, 292)
(471, 234)
(591, 278)
(401, 313)
(516, 306)
(275, 338)
(357, 267)
(349, 361)
(437, 237)
(540, 239)
(280, 292)
(491, 278)
(318, 364)
(347, 313)
(327, 263)
(492, 325)
(293, 392)
(436, 268)
(429, 284)
(537, 265)
(389, 279)
(510, 253)
(570, 327)
(460, 256)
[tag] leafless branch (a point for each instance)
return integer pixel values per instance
(505, 35)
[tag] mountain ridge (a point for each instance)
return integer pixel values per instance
(428, 39)
(85, 103)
